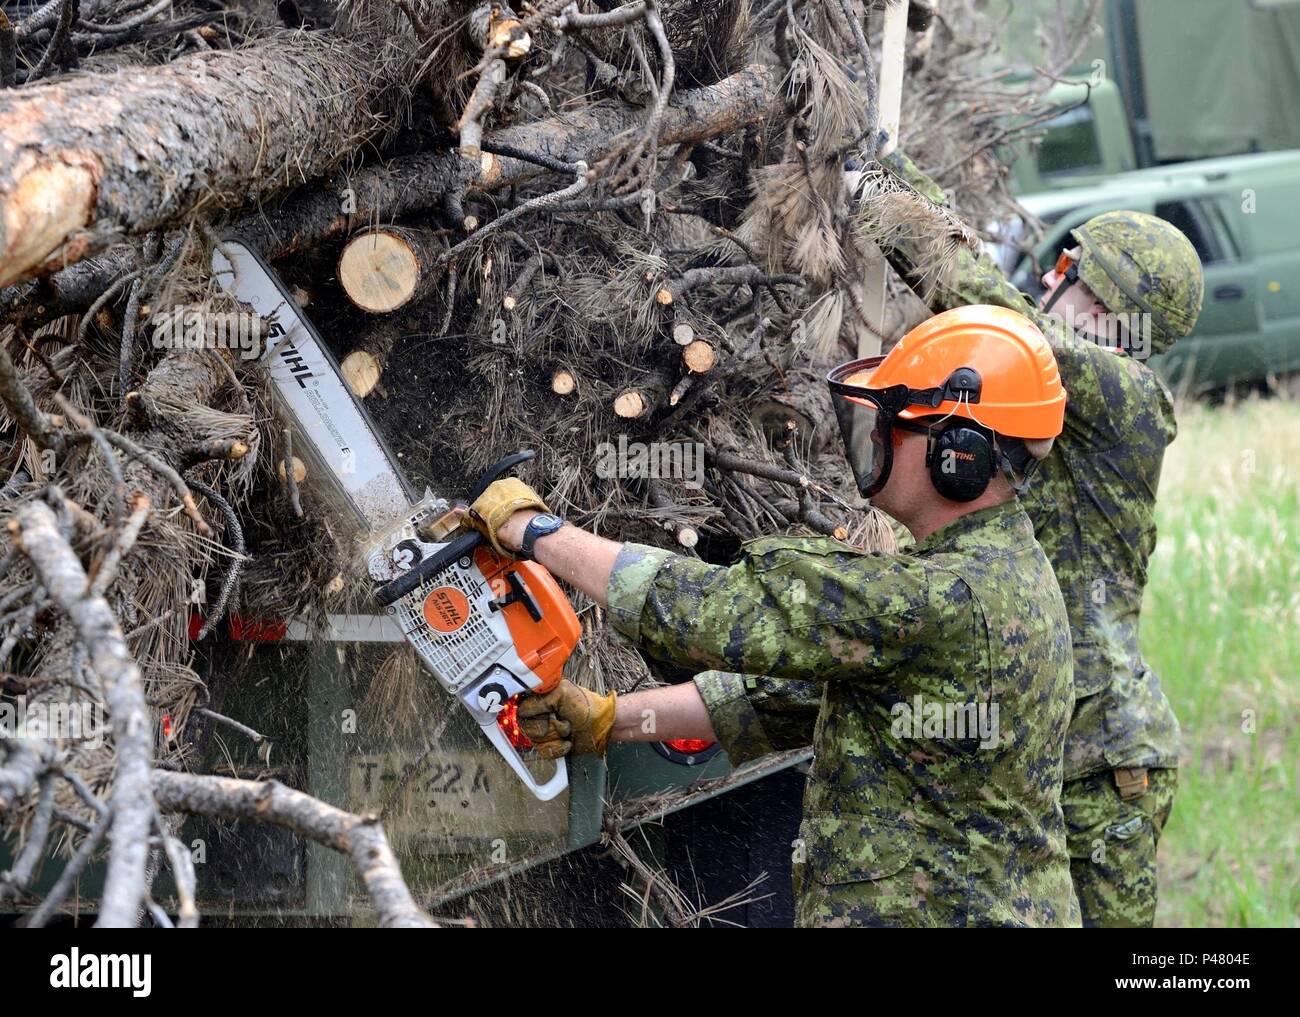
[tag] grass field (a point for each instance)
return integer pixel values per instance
(1221, 626)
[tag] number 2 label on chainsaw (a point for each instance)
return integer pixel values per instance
(446, 609)
(492, 698)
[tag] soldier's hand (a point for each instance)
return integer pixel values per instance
(494, 507)
(568, 719)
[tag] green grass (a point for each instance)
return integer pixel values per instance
(1221, 626)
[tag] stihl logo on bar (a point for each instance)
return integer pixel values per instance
(291, 355)
(132, 971)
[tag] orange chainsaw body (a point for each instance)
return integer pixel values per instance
(542, 645)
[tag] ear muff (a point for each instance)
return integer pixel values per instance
(962, 461)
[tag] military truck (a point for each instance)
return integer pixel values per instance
(471, 840)
(340, 707)
(1173, 81)
(1242, 214)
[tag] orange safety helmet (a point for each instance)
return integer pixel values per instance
(989, 365)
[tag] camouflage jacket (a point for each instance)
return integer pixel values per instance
(946, 691)
(1092, 503)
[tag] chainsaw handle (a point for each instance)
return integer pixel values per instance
(544, 790)
(496, 469)
(460, 547)
(436, 563)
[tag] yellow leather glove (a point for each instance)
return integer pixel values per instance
(568, 719)
(502, 499)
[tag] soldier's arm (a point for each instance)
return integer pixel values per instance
(749, 717)
(975, 278)
(811, 609)
(753, 716)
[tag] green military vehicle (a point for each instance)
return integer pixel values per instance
(1171, 81)
(1243, 216)
(1183, 109)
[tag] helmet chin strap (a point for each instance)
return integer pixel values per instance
(1067, 280)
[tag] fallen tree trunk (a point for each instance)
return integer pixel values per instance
(87, 160)
(801, 412)
(414, 183)
(695, 115)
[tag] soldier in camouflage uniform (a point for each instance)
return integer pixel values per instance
(1093, 509)
(944, 673)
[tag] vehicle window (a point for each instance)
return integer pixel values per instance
(1191, 217)
(1070, 145)
(1222, 228)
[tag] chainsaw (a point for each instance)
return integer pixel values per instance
(490, 629)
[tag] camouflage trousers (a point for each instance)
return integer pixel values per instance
(1113, 822)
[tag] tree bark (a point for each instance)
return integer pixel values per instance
(802, 413)
(414, 183)
(695, 115)
(360, 837)
(37, 532)
(90, 158)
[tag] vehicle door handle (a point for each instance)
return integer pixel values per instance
(1229, 292)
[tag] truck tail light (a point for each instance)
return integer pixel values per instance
(687, 751)
(688, 746)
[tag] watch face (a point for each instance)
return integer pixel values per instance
(545, 521)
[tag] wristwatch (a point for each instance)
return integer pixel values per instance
(541, 525)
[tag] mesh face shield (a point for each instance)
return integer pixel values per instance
(866, 419)
(866, 415)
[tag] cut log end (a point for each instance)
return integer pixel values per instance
(683, 334)
(380, 271)
(564, 383)
(43, 210)
(630, 404)
(299, 470)
(509, 35)
(361, 369)
(664, 296)
(699, 357)
(688, 536)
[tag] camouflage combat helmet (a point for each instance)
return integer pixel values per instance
(1136, 263)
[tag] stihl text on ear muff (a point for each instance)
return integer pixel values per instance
(962, 459)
